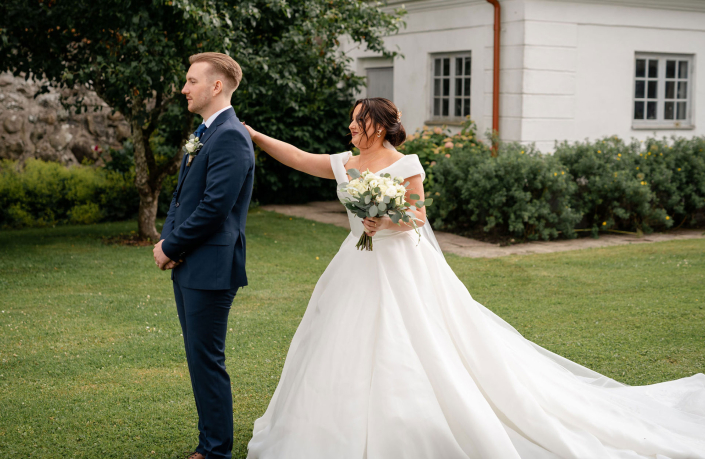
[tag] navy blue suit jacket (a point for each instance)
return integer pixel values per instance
(205, 226)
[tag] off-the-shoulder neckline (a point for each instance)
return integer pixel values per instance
(383, 169)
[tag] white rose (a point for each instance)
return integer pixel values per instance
(391, 192)
(190, 147)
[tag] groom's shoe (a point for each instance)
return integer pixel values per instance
(195, 455)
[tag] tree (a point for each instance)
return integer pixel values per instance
(298, 85)
(134, 54)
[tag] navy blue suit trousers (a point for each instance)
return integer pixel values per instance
(205, 227)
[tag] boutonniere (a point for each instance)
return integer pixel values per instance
(193, 145)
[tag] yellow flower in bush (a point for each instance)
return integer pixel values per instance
(604, 223)
(667, 217)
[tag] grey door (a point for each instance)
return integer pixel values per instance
(380, 82)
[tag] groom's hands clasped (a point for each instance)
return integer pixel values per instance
(161, 259)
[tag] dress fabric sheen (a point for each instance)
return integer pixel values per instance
(393, 359)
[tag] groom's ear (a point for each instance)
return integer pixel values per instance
(218, 86)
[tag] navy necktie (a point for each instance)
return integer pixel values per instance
(199, 132)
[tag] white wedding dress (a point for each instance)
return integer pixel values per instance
(393, 359)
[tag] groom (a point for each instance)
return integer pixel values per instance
(203, 241)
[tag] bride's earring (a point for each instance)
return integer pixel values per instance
(379, 133)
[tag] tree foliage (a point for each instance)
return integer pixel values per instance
(297, 84)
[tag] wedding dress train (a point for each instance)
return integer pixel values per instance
(393, 359)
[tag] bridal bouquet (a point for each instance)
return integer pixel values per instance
(379, 195)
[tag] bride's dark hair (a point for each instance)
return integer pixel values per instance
(384, 115)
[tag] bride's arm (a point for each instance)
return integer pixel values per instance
(289, 155)
(372, 225)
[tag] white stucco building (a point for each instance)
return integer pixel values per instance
(569, 69)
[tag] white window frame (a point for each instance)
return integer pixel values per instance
(467, 98)
(661, 122)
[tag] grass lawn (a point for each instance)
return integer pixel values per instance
(92, 362)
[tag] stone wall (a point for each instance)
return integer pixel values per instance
(41, 128)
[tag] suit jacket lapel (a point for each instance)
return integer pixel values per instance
(209, 132)
(222, 118)
(182, 174)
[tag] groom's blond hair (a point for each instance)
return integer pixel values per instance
(223, 65)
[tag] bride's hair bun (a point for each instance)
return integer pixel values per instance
(384, 115)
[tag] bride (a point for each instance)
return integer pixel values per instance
(393, 359)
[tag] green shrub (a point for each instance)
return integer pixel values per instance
(613, 194)
(45, 193)
(676, 175)
(520, 192)
(85, 214)
(432, 145)
(604, 185)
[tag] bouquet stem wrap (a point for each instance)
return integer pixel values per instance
(365, 242)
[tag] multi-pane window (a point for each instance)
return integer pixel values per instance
(451, 86)
(661, 90)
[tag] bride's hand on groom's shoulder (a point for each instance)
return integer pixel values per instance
(250, 131)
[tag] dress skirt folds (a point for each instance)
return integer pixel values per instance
(393, 359)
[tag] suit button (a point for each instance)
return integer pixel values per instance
(177, 205)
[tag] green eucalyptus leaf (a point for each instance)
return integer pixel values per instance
(414, 197)
(428, 202)
(382, 206)
(354, 173)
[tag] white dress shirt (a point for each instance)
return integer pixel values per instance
(210, 120)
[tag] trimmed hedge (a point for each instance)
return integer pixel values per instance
(605, 185)
(45, 193)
